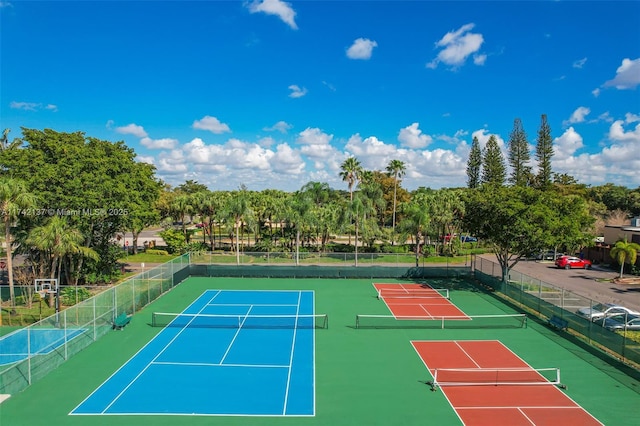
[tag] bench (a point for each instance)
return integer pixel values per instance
(121, 321)
(558, 323)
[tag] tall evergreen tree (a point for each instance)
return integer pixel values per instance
(544, 152)
(519, 155)
(494, 169)
(474, 164)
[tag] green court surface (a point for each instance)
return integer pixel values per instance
(363, 376)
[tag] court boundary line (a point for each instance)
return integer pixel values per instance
(577, 406)
(71, 413)
(154, 358)
(291, 352)
(217, 292)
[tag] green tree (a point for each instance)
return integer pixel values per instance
(58, 241)
(544, 153)
(351, 172)
(518, 221)
(397, 169)
(519, 155)
(494, 170)
(416, 221)
(474, 164)
(625, 252)
(14, 200)
(238, 212)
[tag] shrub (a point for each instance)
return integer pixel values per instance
(72, 295)
(157, 251)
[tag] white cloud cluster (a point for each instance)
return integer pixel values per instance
(280, 126)
(281, 9)
(317, 155)
(211, 124)
(578, 116)
(412, 137)
(32, 106)
(579, 63)
(457, 46)
(362, 48)
(627, 75)
(297, 91)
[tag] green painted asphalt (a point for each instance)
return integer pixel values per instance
(363, 376)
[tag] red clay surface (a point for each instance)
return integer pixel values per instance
(427, 303)
(488, 405)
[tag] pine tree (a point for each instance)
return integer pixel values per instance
(519, 155)
(474, 164)
(544, 152)
(494, 170)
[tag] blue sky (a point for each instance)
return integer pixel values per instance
(274, 94)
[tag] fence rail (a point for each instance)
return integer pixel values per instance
(29, 353)
(547, 300)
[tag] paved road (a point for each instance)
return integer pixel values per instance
(590, 283)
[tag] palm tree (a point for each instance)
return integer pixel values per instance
(396, 168)
(625, 252)
(180, 207)
(416, 222)
(298, 214)
(351, 173)
(14, 199)
(58, 240)
(237, 210)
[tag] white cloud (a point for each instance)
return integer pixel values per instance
(132, 129)
(479, 59)
(595, 92)
(297, 91)
(483, 136)
(281, 9)
(578, 116)
(627, 75)
(579, 63)
(211, 124)
(619, 134)
(412, 137)
(165, 143)
(362, 48)
(631, 118)
(280, 126)
(316, 145)
(457, 46)
(567, 144)
(32, 106)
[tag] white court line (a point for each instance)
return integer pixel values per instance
(236, 335)
(504, 407)
(467, 354)
(130, 359)
(210, 364)
(293, 345)
(156, 357)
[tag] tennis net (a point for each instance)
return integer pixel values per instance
(472, 321)
(524, 376)
(166, 319)
(423, 293)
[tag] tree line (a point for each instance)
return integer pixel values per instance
(66, 197)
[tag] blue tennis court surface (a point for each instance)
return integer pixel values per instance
(21, 344)
(233, 352)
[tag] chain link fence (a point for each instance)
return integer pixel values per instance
(30, 353)
(547, 301)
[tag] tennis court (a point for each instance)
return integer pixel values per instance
(231, 352)
(22, 343)
(487, 384)
(342, 376)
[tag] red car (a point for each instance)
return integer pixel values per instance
(569, 262)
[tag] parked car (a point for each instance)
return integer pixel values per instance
(468, 239)
(622, 322)
(549, 255)
(604, 310)
(570, 262)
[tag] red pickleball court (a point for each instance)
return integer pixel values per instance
(487, 384)
(415, 301)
